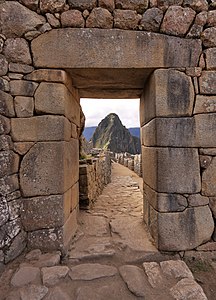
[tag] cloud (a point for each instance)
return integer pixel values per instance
(97, 109)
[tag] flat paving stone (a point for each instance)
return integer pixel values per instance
(134, 278)
(33, 292)
(92, 271)
(176, 268)
(25, 275)
(153, 272)
(58, 294)
(52, 275)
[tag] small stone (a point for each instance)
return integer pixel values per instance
(49, 259)
(195, 31)
(72, 18)
(33, 292)
(9, 162)
(13, 195)
(151, 19)
(197, 5)
(23, 147)
(33, 254)
(210, 55)
(211, 20)
(4, 216)
(138, 5)
(194, 72)
(108, 4)
(31, 4)
(208, 180)
(58, 294)
(9, 184)
(201, 18)
(15, 76)
(24, 106)
(208, 37)
(30, 35)
(17, 246)
(45, 27)
(3, 65)
(25, 275)
(20, 68)
(52, 20)
(126, 19)
(6, 105)
(92, 271)
(100, 18)
(153, 272)
(207, 82)
(176, 268)
(134, 279)
(52, 275)
(52, 6)
(4, 125)
(17, 51)
(177, 20)
(22, 87)
(205, 161)
(197, 200)
(4, 85)
(210, 246)
(187, 289)
(82, 4)
(5, 142)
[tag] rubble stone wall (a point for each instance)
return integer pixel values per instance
(40, 119)
(94, 175)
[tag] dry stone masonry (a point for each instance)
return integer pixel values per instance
(133, 162)
(54, 52)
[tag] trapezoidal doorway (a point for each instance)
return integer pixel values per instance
(74, 63)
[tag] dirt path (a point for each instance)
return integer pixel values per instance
(111, 257)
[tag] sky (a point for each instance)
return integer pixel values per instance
(97, 109)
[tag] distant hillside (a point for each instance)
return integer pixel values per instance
(111, 134)
(89, 131)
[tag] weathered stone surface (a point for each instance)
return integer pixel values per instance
(72, 18)
(211, 58)
(36, 292)
(52, 6)
(207, 82)
(48, 259)
(210, 246)
(201, 18)
(201, 5)
(4, 211)
(45, 28)
(126, 19)
(139, 5)
(16, 19)
(165, 169)
(43, 212)
(4, 84)
(25, 275)
(15, 76)
(92, 271)
(169, 93)
(53, 21)
(176, 268)
(22, 147)
(52, 275)
(58, 101)
(205, 128)
(4, 125)
(83, 4)
(164, 202)
(187, 289)
(151, 19)
(5, 142)
(153, 272)
(22, 87)
(14, 207)
(193, 227)
(30, 35)
(208, 180)
(42, 176)
(9, 162)
(41, 128)
(177, 20)
(6, 104)
(24, 106)
(46, 239)
(205, 104)
(205, 161)
(208, 37)
(207, 151)
(197, 200)
(211, 21)
(174, 52)
(17, 51)
(16, 247)
(195, 31)
(100, 18)
(20, 68)
(108, 4)
(31, 4)
(134, 279)
(9, 184)
(3, 65)
(58, 293)
(212, 204)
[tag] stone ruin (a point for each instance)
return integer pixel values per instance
(133, 162)
(53, 53)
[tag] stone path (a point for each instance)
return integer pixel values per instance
(111, 257)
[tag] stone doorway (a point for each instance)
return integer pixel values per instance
(115, 64)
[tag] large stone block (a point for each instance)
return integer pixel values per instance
(164, 202)
(169, 93)
(16, 19)
(111, 49)
(44, 212)
(183, 230)
(209, 180)
(55, 98)
(164, 170)
(49, 168)
(207, 83)
(41, 128)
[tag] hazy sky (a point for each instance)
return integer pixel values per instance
(97, 109)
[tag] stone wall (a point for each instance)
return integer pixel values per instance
(40, 114)
(133, 162)
(94, 175)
